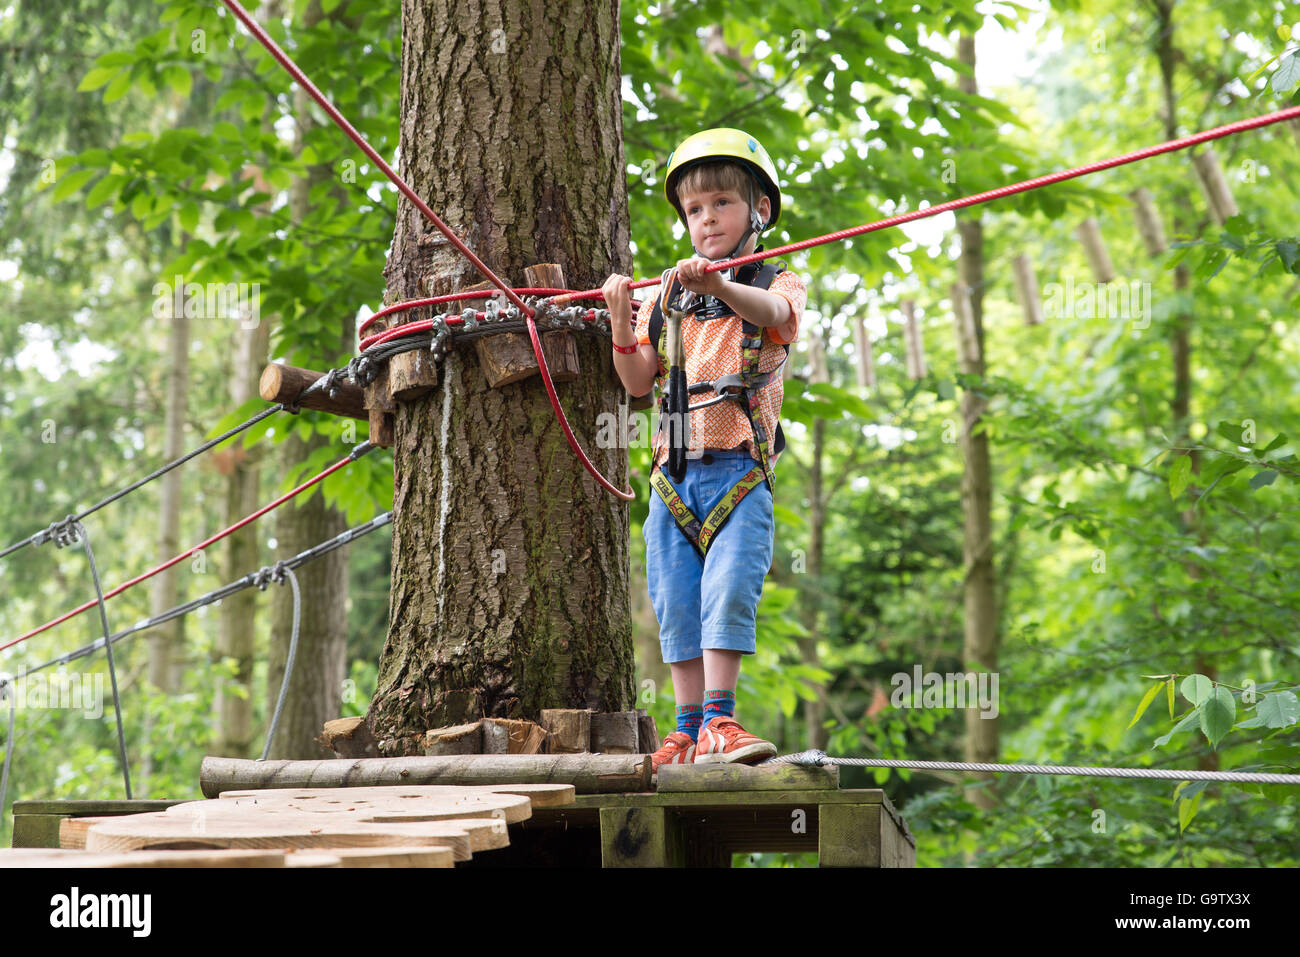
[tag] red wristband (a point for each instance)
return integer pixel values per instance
(626, 350)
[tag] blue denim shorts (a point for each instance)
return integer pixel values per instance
(711, 603)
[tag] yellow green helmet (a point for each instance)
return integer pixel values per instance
(723, 143)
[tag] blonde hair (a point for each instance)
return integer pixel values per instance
(713, 177)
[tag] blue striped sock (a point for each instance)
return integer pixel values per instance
(689, 717)
(719, 703)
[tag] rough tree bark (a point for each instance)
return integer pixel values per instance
(510, 564)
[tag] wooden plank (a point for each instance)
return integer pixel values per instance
(51, 857)
(36, 823)
(639, 837)
(385, 856)
(376, 804)
(588, 773)
(508, 357)
(162, 831)
(743, 777)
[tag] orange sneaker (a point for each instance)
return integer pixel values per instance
(724, 741)
(678, 748)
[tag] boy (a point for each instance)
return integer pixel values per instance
(709, 537)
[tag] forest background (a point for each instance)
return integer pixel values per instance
(1141, 435)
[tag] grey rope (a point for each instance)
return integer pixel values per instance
(279, 573)
(818, 759)
(79, 530)
(48, 534)
(7, 691)
(248, 581)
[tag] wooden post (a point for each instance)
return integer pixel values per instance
(647, 733)
(509, 357)
(379, 403)
(458, 739)
(569, 728)
(912, 342)
(1217, 191)
(866, 368)
(614, 733)
(1148, 221)
(639, 837)
(1031, 302)
(281, 383)
(1089, 232)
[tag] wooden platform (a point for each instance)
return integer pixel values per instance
(693, 816)
(701, 815)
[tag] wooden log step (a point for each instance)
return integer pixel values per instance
(588, 773)
(743, 777)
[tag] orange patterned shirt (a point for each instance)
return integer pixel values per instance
(713, 350)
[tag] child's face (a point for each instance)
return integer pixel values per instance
(717, 220)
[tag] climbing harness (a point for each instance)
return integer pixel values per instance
(674, 408)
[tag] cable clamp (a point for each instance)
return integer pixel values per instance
(62, 534)
(270, 573)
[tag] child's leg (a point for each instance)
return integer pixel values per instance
(688, 690)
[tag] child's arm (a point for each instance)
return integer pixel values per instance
(637, 370)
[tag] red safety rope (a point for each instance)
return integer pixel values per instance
(424, 325)
(450, 297)
(283, 59)
(1168, 146)
(185, 554)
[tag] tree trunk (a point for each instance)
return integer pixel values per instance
(980, 645)
(1181, 323)
(167, 641)
(320, 663)
(234, 731)
(510, 564)
(814, 710)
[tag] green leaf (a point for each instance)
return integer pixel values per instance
(107, 187)
(1187, 810)
(71, 182)
(1145, 703)
(1180, 475)
(179, 79)
(117, 89)
(96, 78)
(1279, 441)
(1263, 478)
(1218, 715)
(1188, 721)
(1279, 710)
(1196, 688)
(1170, 686)
(1287, 74)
